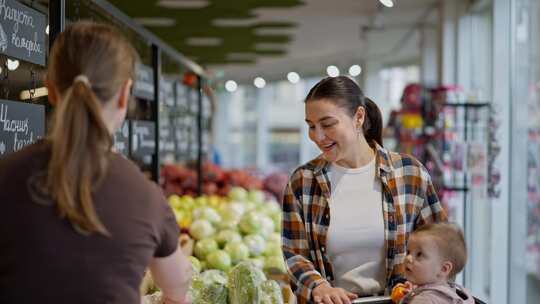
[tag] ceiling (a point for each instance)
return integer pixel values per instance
(241, 39)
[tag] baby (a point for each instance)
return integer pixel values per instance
(435, 254)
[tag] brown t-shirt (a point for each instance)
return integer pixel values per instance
(43, 259)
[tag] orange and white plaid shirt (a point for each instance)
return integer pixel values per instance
(409, 201)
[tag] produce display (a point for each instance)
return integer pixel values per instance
(275, 184)
(243, 226)
(237, 245)
(182, 180)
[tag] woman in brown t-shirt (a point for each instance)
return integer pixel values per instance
(78, 222)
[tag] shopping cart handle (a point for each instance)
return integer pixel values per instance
(373, 300)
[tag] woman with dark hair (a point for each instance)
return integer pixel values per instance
(347, 214)
(79, 222)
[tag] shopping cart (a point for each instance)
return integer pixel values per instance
(373, 300)
(387, 300)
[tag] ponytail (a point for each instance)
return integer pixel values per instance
(372, 126)
(80, 144)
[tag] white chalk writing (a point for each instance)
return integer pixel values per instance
(23, 43)
(20, 128)
(12, 125)
(19, 16)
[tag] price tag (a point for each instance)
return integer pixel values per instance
(143, 138)
(144, 84)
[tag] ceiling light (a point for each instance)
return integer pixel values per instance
(293, 77)
(332, 71)
(231, 85)
(12, 65)
(355, 70)
(387, 3)
(186, 4)
(259, 82)
(47, 30)
(156, 21)
(204, 41)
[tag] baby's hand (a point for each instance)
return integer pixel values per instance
(401, 290)
(409, 286)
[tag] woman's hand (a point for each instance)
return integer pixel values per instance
(325, 293)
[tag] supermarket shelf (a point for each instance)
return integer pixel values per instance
(467, 104)
(456, 189)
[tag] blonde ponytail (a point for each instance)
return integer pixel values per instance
(88, 65)
(80, 145)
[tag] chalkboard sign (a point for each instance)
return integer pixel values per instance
(144, 84)
(121, 139)
(166, 137)
(21, 124)
(181, 96)
(22, 32)
(143, 138)
(166, 87)
(167, 145)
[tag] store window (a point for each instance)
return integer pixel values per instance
(283, 148)
(525, 154)
(394, 80)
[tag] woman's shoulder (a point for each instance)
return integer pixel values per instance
(308, 169)
(406, 162)
(124, 176)
(125, 169)
(31, 157)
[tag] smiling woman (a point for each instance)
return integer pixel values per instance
(348, 213)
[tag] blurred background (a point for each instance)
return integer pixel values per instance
(218, 103)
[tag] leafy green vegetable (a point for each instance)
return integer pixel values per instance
(245, 280)
(271, 293)
(210, 287)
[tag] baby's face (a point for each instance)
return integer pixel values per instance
(423, 264)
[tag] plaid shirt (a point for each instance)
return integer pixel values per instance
(408, 198)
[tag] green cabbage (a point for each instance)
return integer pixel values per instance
(210, 287)
(271, 293)
(238, 194)
(238, 251)
(204, 247)
(251, 223)
(232, 211)
(195, 264)
(219, 259)
(227, 236)
(245, 281)
(201, 229)
(274, 264)
(256, 244)
(206, 213)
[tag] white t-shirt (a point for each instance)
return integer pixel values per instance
(355, 239)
